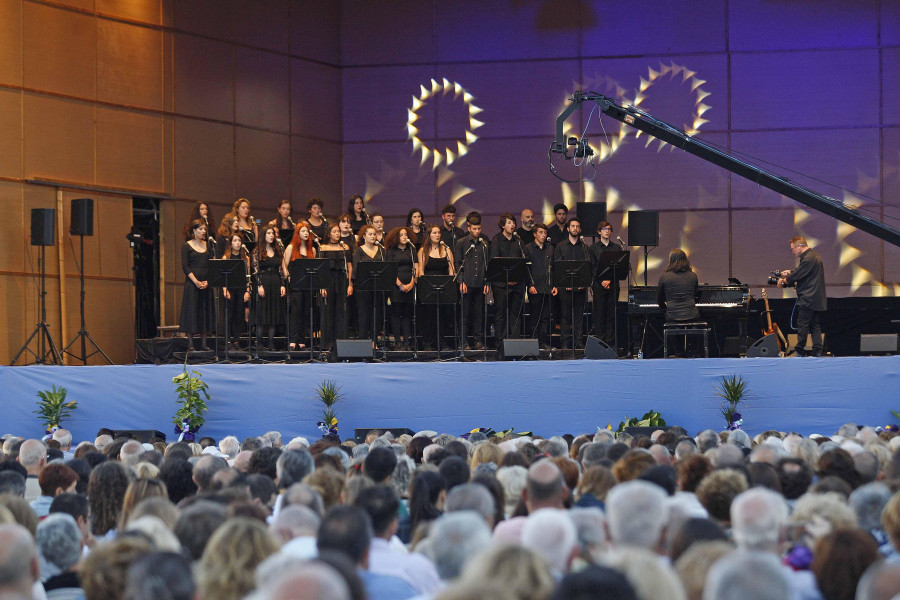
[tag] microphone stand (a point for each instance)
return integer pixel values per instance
(415, 290)
(462, 304)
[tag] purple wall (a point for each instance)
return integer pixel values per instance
(811, 87)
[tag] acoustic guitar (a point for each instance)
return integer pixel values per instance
(772, 327)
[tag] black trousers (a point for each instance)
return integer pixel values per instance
(299, 317)
(236, 317)
(809, 322)
(472, 307)
(539, 325)
(507, 298)
(334, 314)
(605, 313)
(401, 321)
(568, 301)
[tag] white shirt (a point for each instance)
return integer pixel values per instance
(414, 568)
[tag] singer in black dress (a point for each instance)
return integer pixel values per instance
(435, 259)
(270, 310)
(284, 222)
(237, 294)
(302, 300)
(246, 223)
(358, 215)
(366, 300)
(415, 227)
(334, 296)
(400, 251)
(196, 303)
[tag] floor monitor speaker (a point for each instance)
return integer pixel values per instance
(766, 346)
(520, 348)
(597, 349)
(354, 349)
(878, 343)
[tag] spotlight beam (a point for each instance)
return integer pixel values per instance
(679, 139)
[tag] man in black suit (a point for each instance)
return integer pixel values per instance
(809, 279)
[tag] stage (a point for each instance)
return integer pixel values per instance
(808, 395)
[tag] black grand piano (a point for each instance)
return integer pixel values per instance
(725, 307)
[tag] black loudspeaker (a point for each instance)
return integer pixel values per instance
(42, 229)
(643, 228)
(141, 435)
(647, 431)
(766, 346)
(590, 214)
(597, 349)
(360, 433)
(82, 217)
(520, 348)
(878, 343)
(354, 349)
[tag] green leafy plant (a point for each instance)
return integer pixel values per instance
(650, 419)
(329, 394)
(53, 408)
(732, 390)
(189, 389)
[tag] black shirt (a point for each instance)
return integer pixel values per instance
(809, 277)
(566, 250)
(451, 236)
(556, 234)
(359, 255)
(540, 260)
(596, 250)
(677, 293)
(473, 267)
(526, 236)
(504, 248)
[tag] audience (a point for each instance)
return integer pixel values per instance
(777, 515)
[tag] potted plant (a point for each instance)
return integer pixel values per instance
(53, 408)
(189, 417)
(651, 418)
(732, 390)
(329, 394)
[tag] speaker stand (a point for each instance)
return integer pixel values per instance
(46, 346)
(83, 334)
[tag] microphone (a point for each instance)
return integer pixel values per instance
(621, 240)
(515, 234)
(581, 237)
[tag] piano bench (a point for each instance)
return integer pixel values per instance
(686, 329)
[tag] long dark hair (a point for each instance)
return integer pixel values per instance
(193, 226)
(195, 214)
(261, 254)
(392, 239)
(427, 245)
(424, 492)
(678, 261)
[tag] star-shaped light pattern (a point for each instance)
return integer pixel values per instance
(452, 152)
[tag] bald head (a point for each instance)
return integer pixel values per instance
(313, 581)
(242, 461)
(18, 560)
(545, 487)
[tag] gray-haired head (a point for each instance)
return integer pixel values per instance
(739, 438)
(636, 514)
(59, 543)
(292, 466)
(868, 502)
(758, 516)
(458, 537)
(746, 575)
(472, 497)
(707, 439)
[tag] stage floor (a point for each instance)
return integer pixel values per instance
(808, 395)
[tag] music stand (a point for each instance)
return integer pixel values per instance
(220, 273)
(309, 274)
(438, 290)
(572, 274)
(375, 276)
(618, 262)
(508, 270)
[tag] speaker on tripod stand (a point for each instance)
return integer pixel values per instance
(42, 234)
(83, 225)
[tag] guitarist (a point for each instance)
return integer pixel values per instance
(809, 278)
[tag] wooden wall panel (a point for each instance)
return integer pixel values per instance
(59, 50)
(850, 159)
(262, 169)
(20, 294)
(204, 159)
(316, 100)
(369, 32)
(59, 139)
(12, 258)
(315, 28)
(109, 318)
(143, 11)
(261, 89)
(762, 25)
(503, 30)
(129, 150)
(114, 220)
(890, 65)
(213, 18)
(10, 133)
(799, 89)
(11, 42)
(263, 24)
(316, 172)
(129, 65)
(203, 77)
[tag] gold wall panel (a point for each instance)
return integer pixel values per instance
(12, 249)
(59, 53)
(11, 42)
(144, 11)
(204, 160)
(262, 169)
(10, 133)
(203, 78)
(129, 150)
(59, 139)
(129, 65)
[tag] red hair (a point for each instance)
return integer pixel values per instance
(297, 243)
